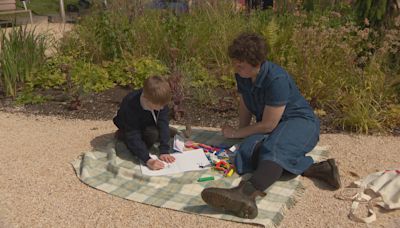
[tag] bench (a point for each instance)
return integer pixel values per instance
(10, 7)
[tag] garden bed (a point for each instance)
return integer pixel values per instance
(103, 106)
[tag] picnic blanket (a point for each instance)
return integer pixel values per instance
(113, 169)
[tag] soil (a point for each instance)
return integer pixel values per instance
(103, 106)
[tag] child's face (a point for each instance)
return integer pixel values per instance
(244, 69)
(148, 105)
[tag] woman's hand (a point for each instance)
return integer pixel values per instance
(229, 132)
(155, 164)
(167, 158)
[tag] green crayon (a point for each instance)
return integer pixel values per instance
(201, 179)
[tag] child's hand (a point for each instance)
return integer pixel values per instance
(167, 158)
(154, 164)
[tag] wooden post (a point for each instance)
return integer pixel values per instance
(30, 12)
(62, 11)
(189, 2)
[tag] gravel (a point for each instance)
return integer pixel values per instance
(40, 189)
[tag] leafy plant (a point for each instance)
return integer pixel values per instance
(175, 81)
(91, 77)
(347, 71)
(50, 75)
(377, 11)
(22, 53)
(103, 35)
(198, 81)
(360, 113)
(29, 97)
(391, 116)
(132, 72)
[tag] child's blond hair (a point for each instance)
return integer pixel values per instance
(156, 89)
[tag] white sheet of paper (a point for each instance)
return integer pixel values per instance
(179, 143)
(187, 161)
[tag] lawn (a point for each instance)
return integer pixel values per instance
(45, 7)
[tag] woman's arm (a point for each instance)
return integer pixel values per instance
(271, 117)
(244, 114)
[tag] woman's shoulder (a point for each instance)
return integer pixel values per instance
(276, 71)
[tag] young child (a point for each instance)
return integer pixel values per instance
(142, 120)
(286, 129)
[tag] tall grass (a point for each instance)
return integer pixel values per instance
(21, 52)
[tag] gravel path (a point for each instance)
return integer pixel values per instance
(39, 187)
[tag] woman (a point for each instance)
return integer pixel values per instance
(286, 129)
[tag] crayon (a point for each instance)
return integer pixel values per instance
(201, 179)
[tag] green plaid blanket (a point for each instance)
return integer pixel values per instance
(114, 170)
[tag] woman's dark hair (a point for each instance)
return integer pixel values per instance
(249, 47)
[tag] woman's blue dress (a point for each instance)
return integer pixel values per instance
(298, 130)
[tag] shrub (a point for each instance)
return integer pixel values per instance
(22, 53)
(29, 97)
(345, 70)
(91, 77)
(84, 76)
(132, 72)
(198, 82)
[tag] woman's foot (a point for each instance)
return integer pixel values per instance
(239, 200)
(326, 171)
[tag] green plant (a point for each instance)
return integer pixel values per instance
(175, 81)
(90, 77)
(22, 53)
(49, 75)
(284, 6)
(391, 116)
(85, 75)
(227, 81)
(335, 61)
(132, 72)
(321, 79)
(389, 51)
(73, 44)
(360, 113)
(46, 7)
(365, 104)
(199, 82)
(377, 11)
(102, 35)
(29, 97)
(321, 5)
